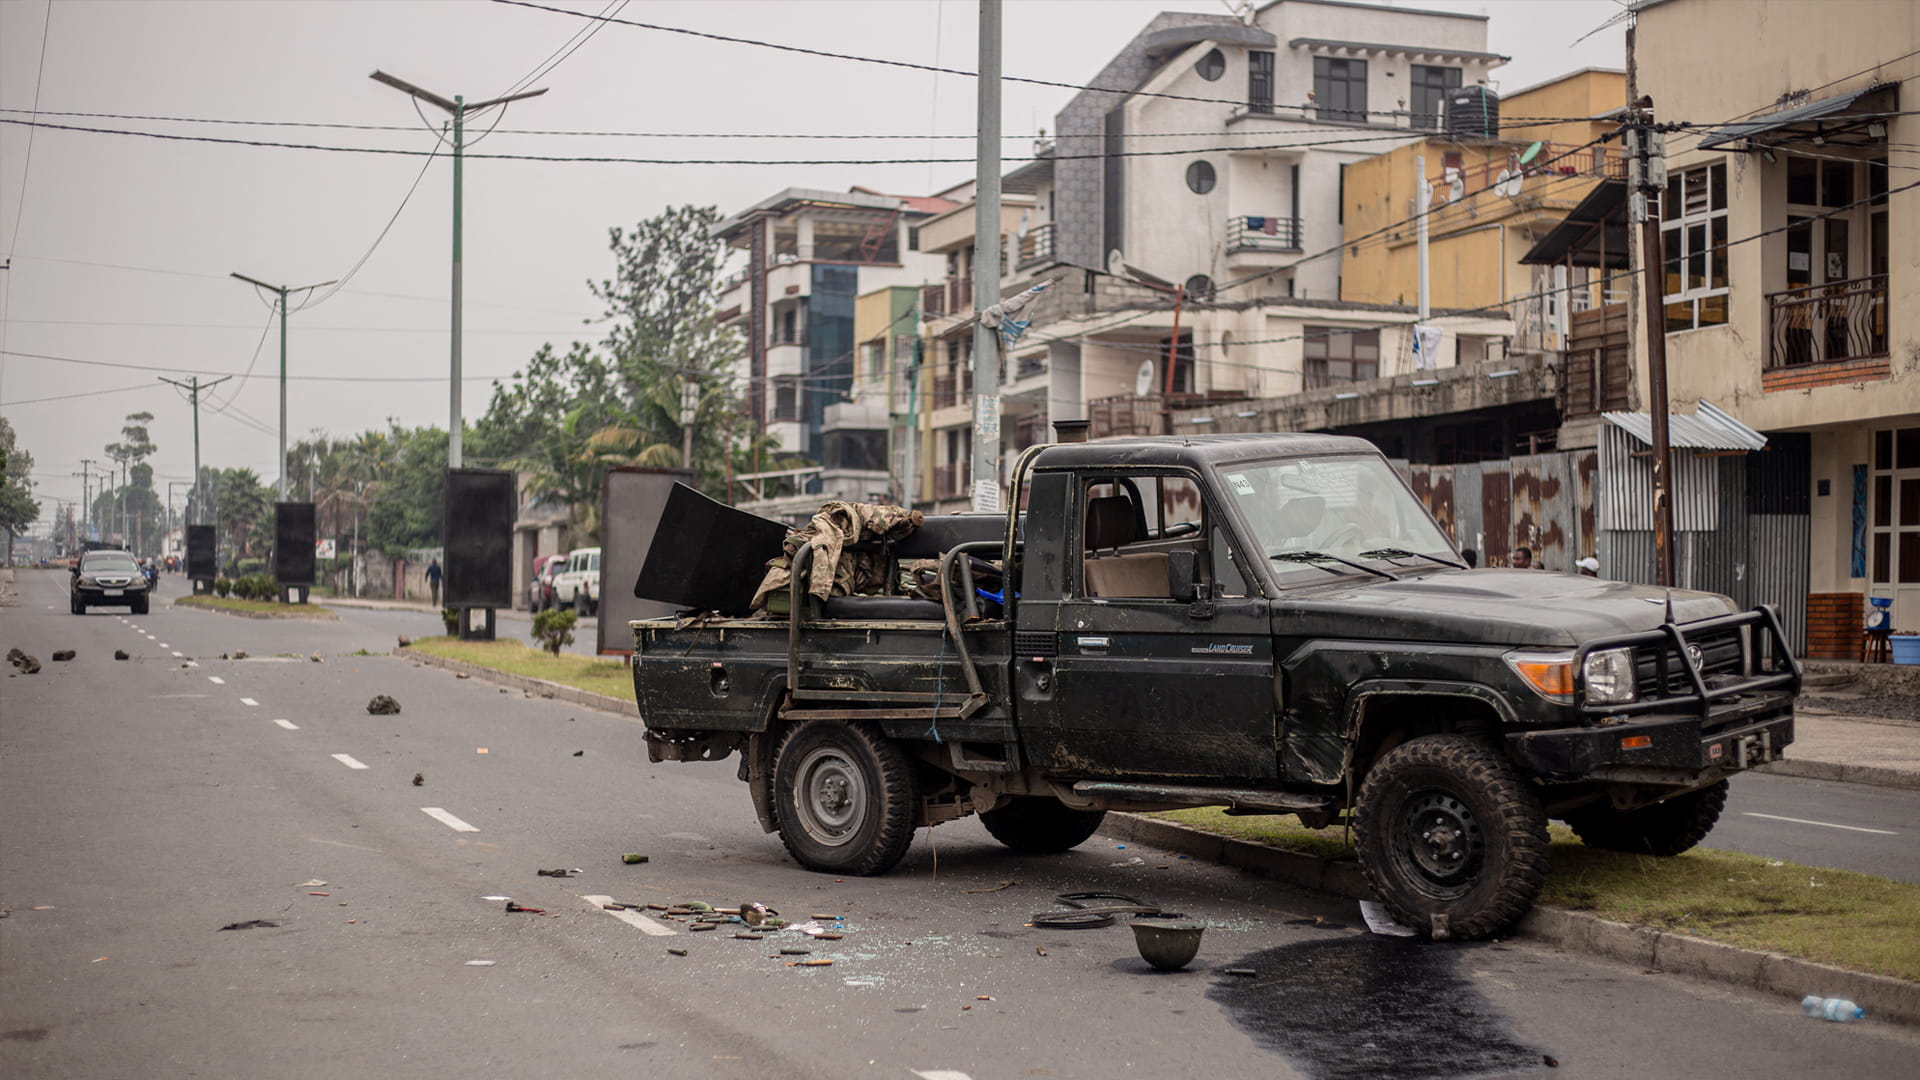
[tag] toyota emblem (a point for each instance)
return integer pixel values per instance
(1694, 654)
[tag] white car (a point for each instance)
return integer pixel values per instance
(577, 584)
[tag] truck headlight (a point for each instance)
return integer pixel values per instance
(1609, 677)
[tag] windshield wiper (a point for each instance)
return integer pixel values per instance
(1402, 553)
(1315, 557)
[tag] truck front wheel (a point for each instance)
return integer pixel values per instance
(1040, 825)
(1446, 827)
(1665, 828)
(843, 797)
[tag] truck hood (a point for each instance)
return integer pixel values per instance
(1502, 607)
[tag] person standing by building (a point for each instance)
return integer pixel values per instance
(1522, 559)
(434, 574)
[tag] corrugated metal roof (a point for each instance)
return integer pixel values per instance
(1761, 125)
(1707, 429)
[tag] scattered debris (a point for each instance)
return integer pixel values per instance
(382, 705)
(319, 894)
(975, 892)
(503, 689)
(811, 963)
(579, 753)
(121, 654)
(984, 997)
(496, 898)
(317, 657)
(558, 872)
(461, 675)
(238, 654)
(633, 858)
(512, 907)
(15, 655)
(419, 778)
(1379, 922)
(1040, 950)
(697, 927)
(1245, 973)
(250, 924)
(795, 952)
(1082, 917)
(480, 750)
(748, 935)
(405, 641)
(1550, 1061)
(678, 952)
(479, 963)
(316, 883)
(63, 655)
(28, 665)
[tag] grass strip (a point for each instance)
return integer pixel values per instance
(595, 675)
(267, 607)
(1851, 920)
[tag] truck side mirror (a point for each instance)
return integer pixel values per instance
(1180, 575)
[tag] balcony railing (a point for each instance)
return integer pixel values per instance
(950, 390)
(1037, 245)
(1258, 232)
(949, 481)
(1824, 324)
(1141, 414)
(955, 297)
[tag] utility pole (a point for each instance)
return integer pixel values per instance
(86, 495)
(459, 110)
(986, 266)
(1423, 198)
(281, 291)
(1647, 175)
(193, 386)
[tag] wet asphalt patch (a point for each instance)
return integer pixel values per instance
(1371, 1008)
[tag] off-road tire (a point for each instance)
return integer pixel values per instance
(1446, 826)
(1039, 825)
(1665, 828)
(843, 797)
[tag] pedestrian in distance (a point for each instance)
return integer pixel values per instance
(1522, 558)
(1589, 566)
(1470, 557)
(434, 574)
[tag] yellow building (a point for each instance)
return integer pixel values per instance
(1492, 199)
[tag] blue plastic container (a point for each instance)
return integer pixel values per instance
(1906, 648)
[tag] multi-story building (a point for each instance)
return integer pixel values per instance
(809, 255)
(1791, 278)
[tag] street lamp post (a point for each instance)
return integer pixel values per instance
(282, 291)
(459, 110)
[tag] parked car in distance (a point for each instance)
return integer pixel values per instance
(108, 579)
(540, 589)
(577, 584)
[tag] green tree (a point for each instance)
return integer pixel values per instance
(18, 508)
(410, 506)
(134, 447)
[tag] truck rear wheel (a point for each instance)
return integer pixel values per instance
(1665, 828)
(843, 797)
(1040, 825)
(1447, 827)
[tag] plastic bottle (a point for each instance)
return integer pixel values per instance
(1839, 1010)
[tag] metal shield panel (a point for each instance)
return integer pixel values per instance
(632, 504)
(293, 543)
(201, 560)
(707, 556)
(479, 538)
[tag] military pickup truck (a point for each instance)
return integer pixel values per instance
(1272, 624)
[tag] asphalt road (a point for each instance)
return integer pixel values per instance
(147, 804)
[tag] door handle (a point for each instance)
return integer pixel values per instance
(1092, 644)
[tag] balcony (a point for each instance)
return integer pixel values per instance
(950, 389)
(1257, 232)
(1141, 414)
(949, 300)
(1036, 247)
(1827, 324)
(950, 481)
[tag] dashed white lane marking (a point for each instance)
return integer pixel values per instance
(940, 1074)
(164, 645)
(632, 918)
(216, 680)
(177, 652)
(447, 819)
(288, 724)
(1822, 824)
(249, 701)
(349, 762)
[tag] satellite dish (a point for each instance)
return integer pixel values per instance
(1508, 184)
(1456, 184)
(1116, 263)
(1143, 380)
(1531, 153)
(1513, 184)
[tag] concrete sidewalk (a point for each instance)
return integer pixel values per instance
(1838, 734)
(425, 608)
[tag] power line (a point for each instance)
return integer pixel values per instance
(26, 167)
(557, 57)
(68, 397)
(593, 159)
(312, 301)
(290, 378)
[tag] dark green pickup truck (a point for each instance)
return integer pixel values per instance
(1269, 623)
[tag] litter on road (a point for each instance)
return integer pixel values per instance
(558, 872)
(250, 924)
(513, 907)
(632, 859)
(63, 654)
(382, 705)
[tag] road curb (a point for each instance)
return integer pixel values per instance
(1877, 775)
(1666, 951)
(328, 617)
(558, 691)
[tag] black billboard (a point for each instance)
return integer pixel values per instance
(201, 560)
(479, 538)
(293, 543)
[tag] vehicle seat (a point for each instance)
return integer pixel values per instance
(1112, 523)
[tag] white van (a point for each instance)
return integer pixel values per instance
(578, 583)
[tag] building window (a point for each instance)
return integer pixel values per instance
(1183, 372)
(1430, 86)
(1200, 177)
(1693, 237)
(1259, 81)
(1199, 287)
(1340, 89)
(1213, 65)
(1334, 355)
(786, 399)
(876, 359)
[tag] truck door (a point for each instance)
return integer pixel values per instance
(1139, 683)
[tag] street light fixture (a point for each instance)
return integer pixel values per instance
(459, 110)
(282, 291)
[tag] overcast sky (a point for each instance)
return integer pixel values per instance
(121, 246)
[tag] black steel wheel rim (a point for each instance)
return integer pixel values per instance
(1439, 844)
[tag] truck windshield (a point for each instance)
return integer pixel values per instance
(1343, 506)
